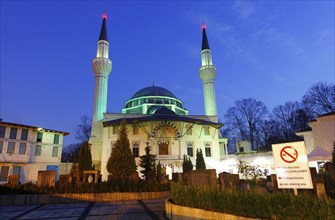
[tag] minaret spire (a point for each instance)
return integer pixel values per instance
(103, 31)
(102, 67)
(205, 44)
(207, 74)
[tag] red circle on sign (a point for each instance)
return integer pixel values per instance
(289, 154)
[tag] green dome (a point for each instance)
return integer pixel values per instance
(153, 91)
(151, 99)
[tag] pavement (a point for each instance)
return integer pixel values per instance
(137, 209)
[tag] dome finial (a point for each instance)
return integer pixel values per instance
(203, 25)
(104, 15)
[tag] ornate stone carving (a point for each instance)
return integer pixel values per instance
(102, 65)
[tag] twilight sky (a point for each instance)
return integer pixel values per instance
(272, 51)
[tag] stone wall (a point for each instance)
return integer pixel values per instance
(202, 177)
(31, 199)
(229, 181)
(177, 212)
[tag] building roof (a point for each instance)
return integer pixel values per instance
(162, 117)
(304, 130)
(319, 154)
(162, 110)
(327, 114)
(153, 91)
(34, 128)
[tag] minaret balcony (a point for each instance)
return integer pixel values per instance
(207, 73)
(102, 65)
(207, 67)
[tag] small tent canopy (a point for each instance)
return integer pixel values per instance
(319, 154)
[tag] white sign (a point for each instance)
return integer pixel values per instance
(291, 165)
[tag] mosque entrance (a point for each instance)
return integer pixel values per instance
(163, 147)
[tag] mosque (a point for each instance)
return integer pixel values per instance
(155, 117)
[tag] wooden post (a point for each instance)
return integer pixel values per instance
(295, 190)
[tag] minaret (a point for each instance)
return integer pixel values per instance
(207, 75)
(102, 67)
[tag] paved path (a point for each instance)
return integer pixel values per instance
(139, 210)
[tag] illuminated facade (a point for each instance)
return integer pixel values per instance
(156, 117)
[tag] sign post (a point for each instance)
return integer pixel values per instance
(291, 165)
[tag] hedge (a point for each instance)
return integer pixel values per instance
(279, 205)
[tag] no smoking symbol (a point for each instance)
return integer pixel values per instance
(289, 154)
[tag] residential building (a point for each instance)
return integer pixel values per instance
(25, 150)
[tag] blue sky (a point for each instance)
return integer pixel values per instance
(272, 51)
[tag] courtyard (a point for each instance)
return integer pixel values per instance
(137, 209)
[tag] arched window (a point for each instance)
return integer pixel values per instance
(190, 149)
(208, 152)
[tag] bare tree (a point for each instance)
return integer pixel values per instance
(83, 130)
(320, 99)
(290, 118)
(244, 119)
(283, 115)
(268, 134)
(70, 153)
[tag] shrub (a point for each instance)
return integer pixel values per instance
(280, 205)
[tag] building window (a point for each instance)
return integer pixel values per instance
(17, 170)
(2, 131)
(11, 147)
(39, 137)
(241, 149)
(135, 129)
(56, 139)
(55, 151)
(1, 146)
(136, 150)
(38, 149)
(13, 132)
(24, 134)
(206, 130)
(4, 173)
(208, 152)
(22, 148)
(190, 149)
